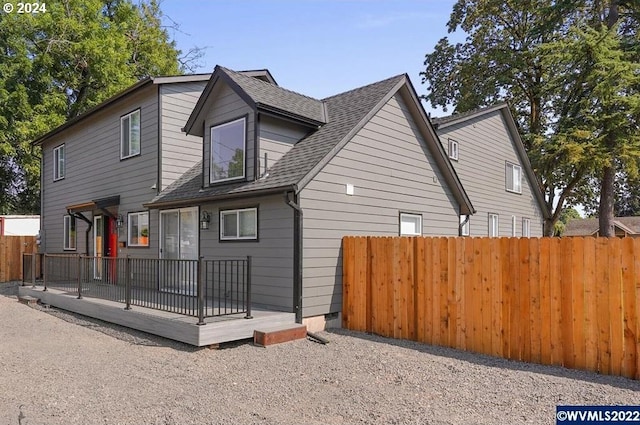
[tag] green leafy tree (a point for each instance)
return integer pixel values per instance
(566, 215)
(56, 65)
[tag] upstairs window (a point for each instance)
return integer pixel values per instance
(513, 175)
(69, 233)
(138, 229)
(453, 149)
(228, 151)
(130, 134)
(58, 163)
(239, 224)
(410, 224)
(493, 225)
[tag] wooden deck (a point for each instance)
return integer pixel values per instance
(174, 326)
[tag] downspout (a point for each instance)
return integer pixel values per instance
(86, 234)
(297, 253)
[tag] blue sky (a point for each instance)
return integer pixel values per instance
(315, 47)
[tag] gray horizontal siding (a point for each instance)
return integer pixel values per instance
(94, 170)
(277, 137)
(392, 171)
(484, 145)
(272, 254)
(179, 151)
(225, 105)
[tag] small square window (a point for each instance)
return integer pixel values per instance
(239, 224)
(138, 229)
(410, 224)
(130, 134)
(58, 163)
(513, 176)
(69, 230)
(493, 225)
(453, 149)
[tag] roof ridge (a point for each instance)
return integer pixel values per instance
(363, 87)
(458, 115)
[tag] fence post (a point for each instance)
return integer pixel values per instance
(248, 316)
(33, 270)
(127, 284)
(44, 271)
(200, 290)
(79, 275)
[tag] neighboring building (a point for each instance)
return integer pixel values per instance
(490, 159)
(19, 225)
(624, 226)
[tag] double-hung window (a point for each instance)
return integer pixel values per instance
(58, 162)
(138, 229)
(130, 134)
(69, 233)
(453, 149)
(228, 151)
(513, 177)
(526, 227)
(410, 224)
(493, 225)
(241, 224)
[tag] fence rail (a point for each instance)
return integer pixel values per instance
(571, 302)
(199, 288)
(11, 250)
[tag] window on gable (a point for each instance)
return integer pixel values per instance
(493, 225)
(526, 227)
(513, 174)
(58, 163)
(138, 229)
(69, 232)
(130, 134)
(228, 151)
(410, 224)
(453, 149)
(241, 224)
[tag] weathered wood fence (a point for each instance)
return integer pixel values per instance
(571, 302)
(11, 250)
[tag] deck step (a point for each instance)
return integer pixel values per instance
(28, 300)
(270, 335)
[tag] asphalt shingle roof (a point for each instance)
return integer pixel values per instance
(345, 111)
(589, 226)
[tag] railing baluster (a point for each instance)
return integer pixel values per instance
(127, 283)
(248, 307)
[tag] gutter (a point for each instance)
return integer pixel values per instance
(297, 253)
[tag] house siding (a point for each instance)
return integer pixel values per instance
(93, 170)
(392, 171)
(277, 137)
(272, 253)
(485, 145)
(227, 106)
(179, 152)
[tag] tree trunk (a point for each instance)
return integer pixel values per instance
(607, 195)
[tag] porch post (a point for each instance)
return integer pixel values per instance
(79, 276)
(248, 316)
(200, 290)
(127, 283)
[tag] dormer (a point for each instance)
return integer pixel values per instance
(247, 122)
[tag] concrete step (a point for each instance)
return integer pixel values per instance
(28, 300)
(270, 335)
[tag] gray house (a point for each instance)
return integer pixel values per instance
(487, 153)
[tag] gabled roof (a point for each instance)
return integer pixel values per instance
(346, 114)
(590, 226)
(261, 95)
(502, 107)
(126, 92)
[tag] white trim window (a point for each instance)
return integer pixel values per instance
(465, 225)
(513, 176)
(130, 134)
(454, 149)
(228, 151)
(69, 233)
(138, 229)
(513, 226)
(410, 224)
(493, 225)
(240, 224)
(58, 162)
(526, 227)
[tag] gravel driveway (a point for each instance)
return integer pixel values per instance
(59, 368)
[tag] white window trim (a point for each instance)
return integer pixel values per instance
(510, 177)
(526, 227)
(122, 118)
(141, 213)
(69, 221)
(418, 216)
(496, 228)
(244, 158)
(514, 229)
(237, 212)
(454, 149)
(58, 171)
(465, 227)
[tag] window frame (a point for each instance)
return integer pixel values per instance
(237, 238)
(69, 233)
(526, 234)
(496, 228)
(453, 149)
(122, 131)
(129, 234)
(59, 171)
(514, 225)
(244, 120)
(413, 215)
(465, 225)
(510, 168)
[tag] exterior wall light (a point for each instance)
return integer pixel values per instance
(205, 219)
(119, 221)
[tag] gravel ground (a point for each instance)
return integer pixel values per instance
(60, 368)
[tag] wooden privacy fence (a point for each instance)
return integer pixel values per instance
(571, 302)
(11, 250)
